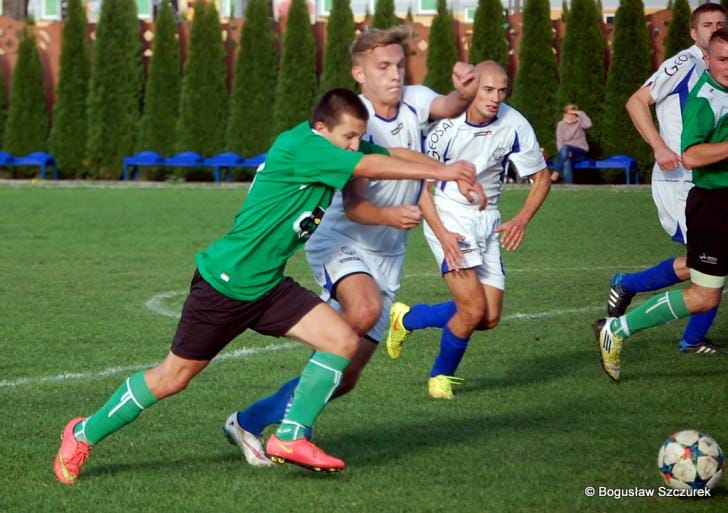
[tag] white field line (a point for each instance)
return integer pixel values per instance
(238, 354)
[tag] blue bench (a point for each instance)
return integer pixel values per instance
(39, 159)
(628, 164)
(218, 163)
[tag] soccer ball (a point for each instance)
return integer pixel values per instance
(690, 460)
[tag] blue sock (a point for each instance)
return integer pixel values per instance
(452, 349)
(698, 326)
(271, 410)
(429, 316)
(655, 278)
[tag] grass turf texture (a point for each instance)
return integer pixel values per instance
(535, 422)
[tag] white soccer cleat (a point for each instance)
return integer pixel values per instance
(250, 445)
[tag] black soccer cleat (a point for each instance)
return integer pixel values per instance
(619, 299)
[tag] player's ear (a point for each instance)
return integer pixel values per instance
(319, 126)
(358, 73)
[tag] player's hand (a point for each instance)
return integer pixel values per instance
(463, 80)
(511, 234)
(403, 217)
(460, 170)
(667, 159)
(474, 193)
(450, 245)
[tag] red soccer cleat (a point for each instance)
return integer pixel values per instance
(303, 453)
(71, 455)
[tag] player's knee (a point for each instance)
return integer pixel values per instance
(364, 316)
(471, 315)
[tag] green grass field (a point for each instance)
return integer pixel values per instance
(91, 279)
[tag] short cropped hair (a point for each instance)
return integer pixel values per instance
(334, 103)
(374, 38)
(706, 8)
(719, 35)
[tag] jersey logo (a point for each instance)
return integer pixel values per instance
(674, 66)
(307, 222)
(398, 128)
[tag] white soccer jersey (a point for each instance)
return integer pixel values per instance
(404, 130)
(508, 137)
(670, 86)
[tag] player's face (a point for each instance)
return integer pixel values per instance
(492, 90)
(717, 61)
(380, 72)
(707, 23)
(346, 134)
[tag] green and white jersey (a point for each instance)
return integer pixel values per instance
(285, 204)
(705, 120)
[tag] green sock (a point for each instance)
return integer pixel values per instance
(319, 380)
(659, 309)
(121, 409)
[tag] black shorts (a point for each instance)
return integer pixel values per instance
(706, 215)
(210, 320)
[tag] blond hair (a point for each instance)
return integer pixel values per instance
(374, 38)
(569, 107)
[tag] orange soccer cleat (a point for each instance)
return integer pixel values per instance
(303, 453)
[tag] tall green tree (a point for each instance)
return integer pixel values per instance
(2, 107)
(161, 99)
(296, 88)
(489, 41)
(582, 73)
(340, 32)
(250, 130)
(204, 98)
(114, 90)
(724, 3)
(67, 140)
(442, 51)
(26, 128)
(384, 16)
(534, 90)
(678, 31)
(629, 69)
(564, 10)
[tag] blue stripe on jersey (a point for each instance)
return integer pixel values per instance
(419, 191)
(444, 267)
(514, 149)
(410, 107)
(683, 89)
(445, 158)
(328, 284)
(678, 235)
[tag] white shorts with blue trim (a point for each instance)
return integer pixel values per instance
(481, 247)
(670, 198)
(338, 261)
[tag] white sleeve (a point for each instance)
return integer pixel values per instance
(419, 98)
(526, 156)
(438, 140)
(669, 75)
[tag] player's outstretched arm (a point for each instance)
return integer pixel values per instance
(471, 190)
(512, 232)
(453, 104)
(448, 240)
(381, 167)
(638, 108)
(359, 210)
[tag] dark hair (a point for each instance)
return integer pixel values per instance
(705, 8)
(336, 102)
(720, 35)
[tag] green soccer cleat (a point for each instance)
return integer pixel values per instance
(397, 333)
(440, 386)
(610, 347)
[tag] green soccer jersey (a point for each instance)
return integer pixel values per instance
(705, 120)
(285, 204)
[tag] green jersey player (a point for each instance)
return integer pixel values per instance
(240, 284)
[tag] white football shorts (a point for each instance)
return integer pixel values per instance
(481, 247)
(338, 261)
(670, 198)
